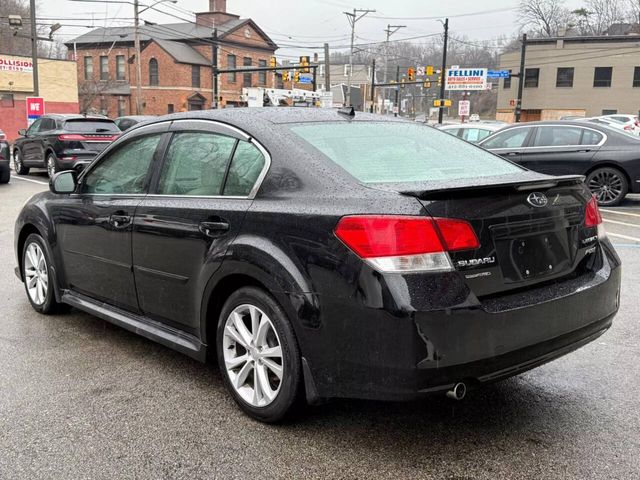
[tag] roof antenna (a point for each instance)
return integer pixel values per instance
(348, 111)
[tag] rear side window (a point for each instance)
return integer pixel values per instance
(90, 126)
(196, 164)
(474, 135)
(557, 136)
(395, 152)
(248, 162)
(125, 170)
(591, 137)
(513, 138)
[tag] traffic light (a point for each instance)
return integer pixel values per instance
(273, 63)
(442, 103)
(429, 70)
(411, 74)
(304, 64)
(285, 76)
(296, 76)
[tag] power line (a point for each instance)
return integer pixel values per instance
(460, 15)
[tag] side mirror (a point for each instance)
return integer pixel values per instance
(63, 182)
(22, 132)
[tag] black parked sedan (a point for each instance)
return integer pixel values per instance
(321, 254)
(62, 142)
(5, 170)
(610, 159)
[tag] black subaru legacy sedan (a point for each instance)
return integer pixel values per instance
(322, 254)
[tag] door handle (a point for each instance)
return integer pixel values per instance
(211, 229)
(511, 154)
(119, 221)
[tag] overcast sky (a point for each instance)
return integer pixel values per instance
(307, 22)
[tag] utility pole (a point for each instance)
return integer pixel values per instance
(444, 70)
(34, 49)
(396, 107)
(373, 84)
(391, 29)
(214, 66)
(136, 42)
(327, 68)
(523, 53)
(353, 19)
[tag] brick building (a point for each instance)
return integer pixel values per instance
(176, 62)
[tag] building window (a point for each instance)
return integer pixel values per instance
(609, 112)
(506, 83)
(104, 68)
(154, 76)
(347, 69)
(247, 78)
(120, 67)
(88, 68)
(262, 76)
(636, 77)
(531, 77)
(6, 100)
(602, 76)
(122, 107)
(104, 106)
(565, 77)
(170, 108)
(195, 76)
(231, 63)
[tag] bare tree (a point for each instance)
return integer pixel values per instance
(546, 17)
(605, 13)
(633, 11)
(90, 90)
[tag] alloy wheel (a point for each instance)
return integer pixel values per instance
(51, 166)
(606, 185)
(36, 273)
(17, 162)
(253, 355)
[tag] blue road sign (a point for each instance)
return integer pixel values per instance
(308, 80)
(498, 74)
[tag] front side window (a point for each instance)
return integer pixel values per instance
(389, 152)
(602, 76)
(195, 164)
(154, 74)
(120, 67)
(125, 170)
(88, 68)
(557, 136)
(513, 138)
(531, 77)
(35, 127)
(246, 166)
(565, 77)
(104, 68)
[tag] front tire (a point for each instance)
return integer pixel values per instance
(5, 176)
(258, 355)
(38, 279)
(609, 185)
(18, 165)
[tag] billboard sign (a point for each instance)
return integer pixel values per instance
(464, 108)
(15, 65)
(466, 79)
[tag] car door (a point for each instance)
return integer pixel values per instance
(509, 143)
(29, 144)
(183, 229)
(94, 225)
(561, 149)
(47, 127)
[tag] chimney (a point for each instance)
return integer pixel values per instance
(216, 16)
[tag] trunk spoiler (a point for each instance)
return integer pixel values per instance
(526, 181)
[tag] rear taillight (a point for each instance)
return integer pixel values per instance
(406, 244)
(593, 217)
(76, 137)
(71, 137)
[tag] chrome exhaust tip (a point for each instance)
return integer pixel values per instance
(458, 391)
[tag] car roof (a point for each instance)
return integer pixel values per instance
(75, 116)
(136, 117)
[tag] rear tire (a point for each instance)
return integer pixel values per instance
(38, 279)
(258, 355)
(18, 165)
(609, 185)
(52, 165)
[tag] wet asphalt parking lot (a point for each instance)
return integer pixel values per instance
(80, 398)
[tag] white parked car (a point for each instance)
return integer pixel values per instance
(631, 122)
(611, 123)
(472, 132)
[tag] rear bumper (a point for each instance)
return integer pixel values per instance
(75, 160)
(390, 356)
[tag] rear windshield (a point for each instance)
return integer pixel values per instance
(90, 126)
(389, 152)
